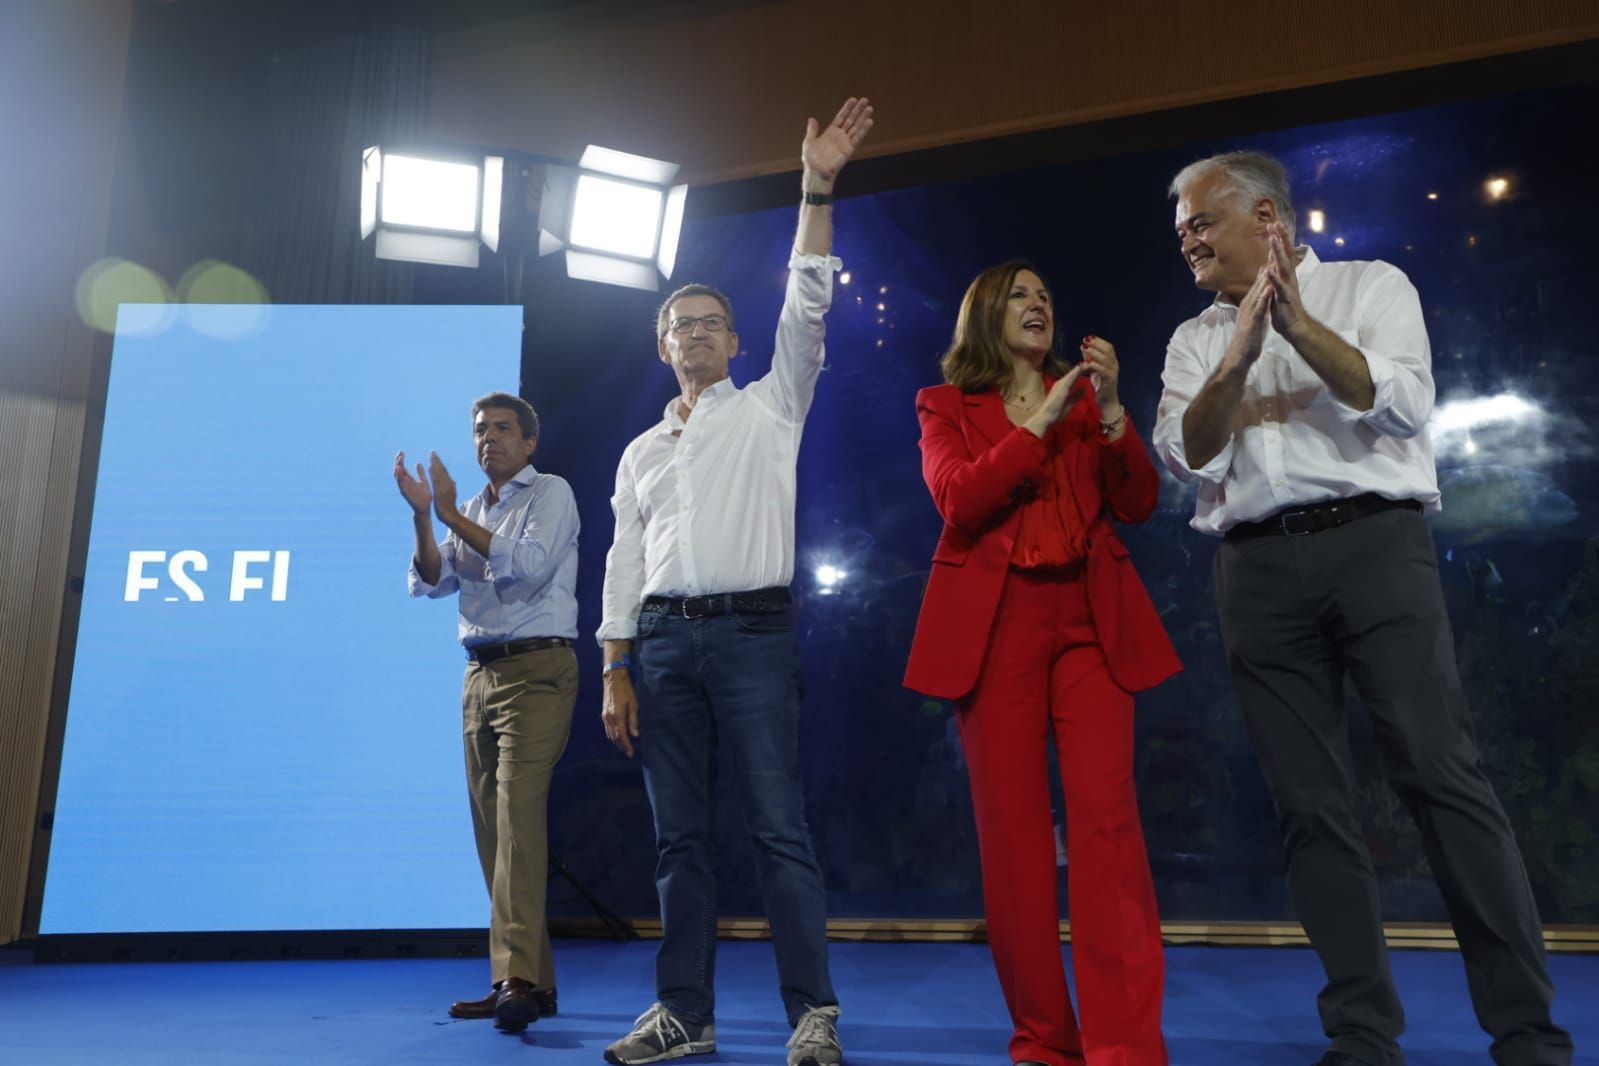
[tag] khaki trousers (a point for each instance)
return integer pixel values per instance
(516, 717)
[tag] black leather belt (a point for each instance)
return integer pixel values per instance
(760, 601)
(483, 654)
(1298, 521)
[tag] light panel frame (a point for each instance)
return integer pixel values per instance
(419, 243)
(559, 207)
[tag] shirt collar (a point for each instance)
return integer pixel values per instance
(1308, 262)
(672, 420)
(519, 480)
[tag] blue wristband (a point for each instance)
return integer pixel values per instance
(624, 663)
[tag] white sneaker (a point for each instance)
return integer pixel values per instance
(658, 1035)
(815, 1039)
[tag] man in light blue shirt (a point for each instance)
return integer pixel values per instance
(511, 554)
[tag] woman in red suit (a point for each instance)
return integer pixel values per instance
(1035, 622)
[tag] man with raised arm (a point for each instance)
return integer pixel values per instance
(698, 631)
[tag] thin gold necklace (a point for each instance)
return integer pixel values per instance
(1020, 400)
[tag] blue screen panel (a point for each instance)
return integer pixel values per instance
(263, 730)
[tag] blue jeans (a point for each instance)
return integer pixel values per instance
(729, 680)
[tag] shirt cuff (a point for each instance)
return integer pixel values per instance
(624, 628)
(1381, 369)
(810, 261)
(417, 587)
(414, 583)
(1214, 471)
(501, 548)
(810, 282)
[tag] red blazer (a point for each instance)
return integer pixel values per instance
(975, 463)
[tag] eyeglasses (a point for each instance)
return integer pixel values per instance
(686, 324)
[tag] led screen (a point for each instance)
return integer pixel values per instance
(263, 730)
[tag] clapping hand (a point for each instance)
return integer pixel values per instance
(1055, 403)
(414, 489)
(1287, 309)
(1104, 370)
(1254, 315)
(443, 487)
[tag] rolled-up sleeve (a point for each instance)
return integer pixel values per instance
(1183, 378)
(624, 563)
(799, 351)
(449, 583)
(1393, 340)
(548, 535)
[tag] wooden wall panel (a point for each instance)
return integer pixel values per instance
(61, 67)
(724, 87)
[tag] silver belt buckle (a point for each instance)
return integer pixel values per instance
(1289, 530)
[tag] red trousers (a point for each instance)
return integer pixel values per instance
(1043, 668)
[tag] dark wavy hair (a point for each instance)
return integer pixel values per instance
(977, 358)
(526, 417)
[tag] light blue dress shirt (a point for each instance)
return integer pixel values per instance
(527, 585)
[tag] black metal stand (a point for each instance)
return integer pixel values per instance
(619, 928)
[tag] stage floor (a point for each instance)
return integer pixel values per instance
(928, 1004)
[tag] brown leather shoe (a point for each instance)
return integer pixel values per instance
(475, 1008)
(484, 1008)
(515, 1006)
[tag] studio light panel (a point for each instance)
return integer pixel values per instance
(428, 209)
(430, 194)
(616, 217)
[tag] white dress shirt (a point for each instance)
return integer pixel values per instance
(1293, 442)
(706, 504)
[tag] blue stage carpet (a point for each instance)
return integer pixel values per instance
(929, 1004)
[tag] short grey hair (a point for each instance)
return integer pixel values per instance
(1254, 176)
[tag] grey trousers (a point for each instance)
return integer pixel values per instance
(516, 717)
(1297, 614)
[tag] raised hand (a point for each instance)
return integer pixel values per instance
(1254, 315)
(826, 150)
(1287, 309)
(1055, 403)
(1105, 371)
(414, 489)
(443, 487)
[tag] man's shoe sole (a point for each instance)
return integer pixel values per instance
(515, 1015)
(693, 1047)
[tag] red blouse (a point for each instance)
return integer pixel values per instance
(1050, 532)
